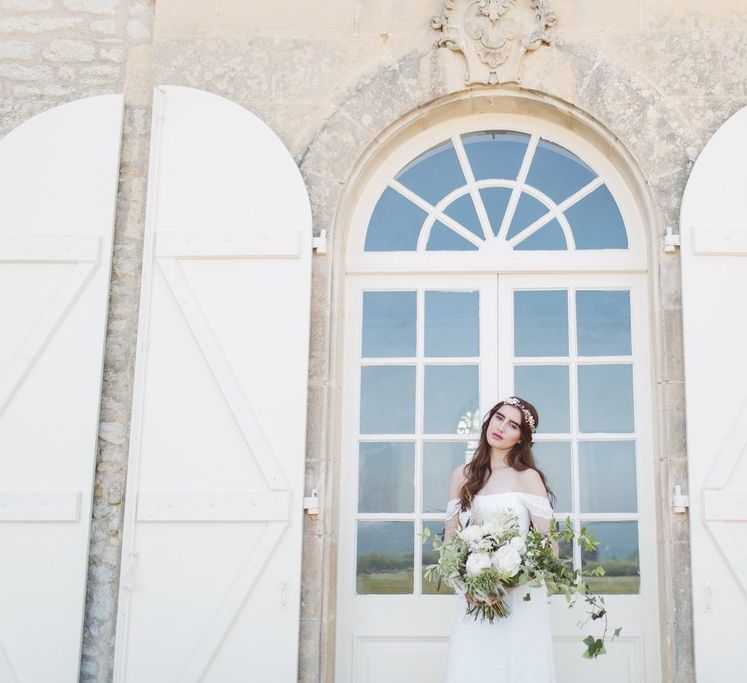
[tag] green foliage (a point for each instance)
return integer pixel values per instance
(486, 590)
(594, 647)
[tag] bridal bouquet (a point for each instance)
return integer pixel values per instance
(486, 558)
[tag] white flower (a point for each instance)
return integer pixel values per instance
(507, 559)
(476, 562)
(518, 544)
(482, 544)
(472, 533)
(489, 528)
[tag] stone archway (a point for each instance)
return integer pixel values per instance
(414, 92)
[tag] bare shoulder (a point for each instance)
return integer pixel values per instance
(531, 482)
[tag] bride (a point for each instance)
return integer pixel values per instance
(503, 474)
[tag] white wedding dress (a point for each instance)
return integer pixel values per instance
(516, 648)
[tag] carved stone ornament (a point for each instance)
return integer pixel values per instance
(493, 35)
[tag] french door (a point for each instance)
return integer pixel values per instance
(425, 359)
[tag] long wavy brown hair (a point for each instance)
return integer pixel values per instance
(520, 457)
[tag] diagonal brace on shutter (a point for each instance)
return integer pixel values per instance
(82, 251)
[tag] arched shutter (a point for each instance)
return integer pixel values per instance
(58, 187)
(714, 282)
(210, 588)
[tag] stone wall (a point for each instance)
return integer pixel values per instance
(329, 76)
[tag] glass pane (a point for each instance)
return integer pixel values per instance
(386, 473)
(607, 475)
(527, 211)
(434, 173)
(430, 556)
(605, 398)
(495, 154)
(617, 553)
(385, 557)
(395, 224)
(557, 172)
(443, 238)
(495, 200)
(451, 324)
(440, 459)
(547, 388)
(596, 222)
(388, 399)
(451, 398)
(389, 324)
(548, 237)
(462, 210)
(541, 323)
(554, 459)
(603, 320)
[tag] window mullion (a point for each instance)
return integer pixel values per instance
(523, 172)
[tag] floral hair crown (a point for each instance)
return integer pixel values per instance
(513, 401)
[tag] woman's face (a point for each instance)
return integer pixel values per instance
(504, 428)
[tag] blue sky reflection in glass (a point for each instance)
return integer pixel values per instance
(531, 192)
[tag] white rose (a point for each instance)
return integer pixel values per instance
(476, 562)
(507, 559)
(517, 543)
(472, 533)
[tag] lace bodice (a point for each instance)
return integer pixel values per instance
(524, 506)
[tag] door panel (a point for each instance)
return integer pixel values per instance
(714, 276)
(58, 185)
(577, 347)
(210, 588)
(415, 348)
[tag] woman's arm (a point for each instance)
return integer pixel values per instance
(452, 516)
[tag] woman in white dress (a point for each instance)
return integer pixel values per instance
(503, 474)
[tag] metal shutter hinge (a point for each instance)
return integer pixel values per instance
(671, 242)
(320, 243)
(680, 501)
(311, 503)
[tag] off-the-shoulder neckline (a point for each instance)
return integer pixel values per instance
(516, 493)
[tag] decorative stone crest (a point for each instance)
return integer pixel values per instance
(494, 35)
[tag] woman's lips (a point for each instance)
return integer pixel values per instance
(497, 436)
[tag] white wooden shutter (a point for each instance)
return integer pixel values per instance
(58, 186)
(714, 282)
(210, 588)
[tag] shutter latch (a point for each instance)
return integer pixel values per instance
(311, 503)
(320, 243)
(680, 501)
(128, 575)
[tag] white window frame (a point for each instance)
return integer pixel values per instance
(496, 256)
(642, 404)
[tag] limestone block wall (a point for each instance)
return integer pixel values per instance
(329, 76)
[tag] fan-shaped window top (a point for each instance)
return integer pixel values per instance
(496, 185)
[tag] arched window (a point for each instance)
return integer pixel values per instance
(491, 255)
(496, 193)
(496, 185)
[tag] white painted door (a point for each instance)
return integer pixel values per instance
(58, 186)
(714, 278)
(423, 354)
(578, 347)
(210, 588)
